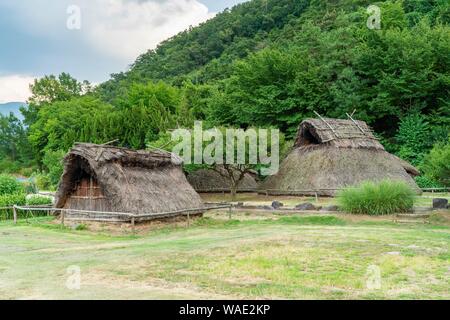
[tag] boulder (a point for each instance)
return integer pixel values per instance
(330, 208)
(439, 203)
(305, 207)
(277, 204)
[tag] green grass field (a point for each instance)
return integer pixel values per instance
(297, 257)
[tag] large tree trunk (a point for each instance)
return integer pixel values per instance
(233, 189)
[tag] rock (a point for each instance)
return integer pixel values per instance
(330, 208)
(277, 204)
(305, 207)
(439, 203)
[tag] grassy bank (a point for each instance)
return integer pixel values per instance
(323, 257)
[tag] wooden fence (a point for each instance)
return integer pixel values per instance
(124, 217)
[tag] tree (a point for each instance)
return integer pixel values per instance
(413, 138)
(60, 124)
(231, 152)
(53, 161)
(50, 89)
(437, 165)
(13, 139)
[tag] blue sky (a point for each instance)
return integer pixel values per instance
(35, 39)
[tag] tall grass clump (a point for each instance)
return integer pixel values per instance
(377, 198)
(9, 185)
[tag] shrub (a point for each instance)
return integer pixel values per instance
(8, 200)
(9, 185)
(22, 200)
(385, 197)
(43, 181)
(436, 165)
(30, 187)
(424, 182)
(36, 200)
(8, 166)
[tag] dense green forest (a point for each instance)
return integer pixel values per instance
(268, 63)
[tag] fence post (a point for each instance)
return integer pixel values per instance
(230, 211)
(15, 214)
(317, 197)
(62, 217)
(188, 219)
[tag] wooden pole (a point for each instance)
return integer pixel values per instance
(317, 197)
(15, 214)
(62, 217)
(230, 212)
(188, 219)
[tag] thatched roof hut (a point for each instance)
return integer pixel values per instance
(208, 180)
(112, 179)
(330, 154)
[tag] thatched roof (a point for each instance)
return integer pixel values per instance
(336, 132)
(208, 180)
(331, 154)
(131, 181)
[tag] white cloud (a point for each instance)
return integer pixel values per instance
(120, 29)
(125, 29)
(15, 88)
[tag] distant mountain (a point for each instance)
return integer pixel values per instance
(6, 108)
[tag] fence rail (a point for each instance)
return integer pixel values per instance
(106, 216)
(86, 215)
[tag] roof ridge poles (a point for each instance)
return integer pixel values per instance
(356, 123)
(328, 125)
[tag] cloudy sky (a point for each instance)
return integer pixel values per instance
(90, 39)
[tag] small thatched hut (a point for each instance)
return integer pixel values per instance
(208, 180)
(330, 154)
(112, 179)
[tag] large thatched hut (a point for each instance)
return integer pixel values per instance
(208, 180)
(330, 154)
(111, 179)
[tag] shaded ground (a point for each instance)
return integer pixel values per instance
(298, 257)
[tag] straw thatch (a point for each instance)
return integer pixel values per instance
(208, 180)
(331, 154)
(112, 179)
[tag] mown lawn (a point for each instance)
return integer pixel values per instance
(312, 257)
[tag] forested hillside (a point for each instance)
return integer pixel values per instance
(268, 63)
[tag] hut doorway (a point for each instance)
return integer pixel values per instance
(87, 194)
(309, 138)
(306, 138)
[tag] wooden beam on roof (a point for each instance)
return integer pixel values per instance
(328, 125)
(356, 123)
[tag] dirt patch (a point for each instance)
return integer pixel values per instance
(441, 217)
